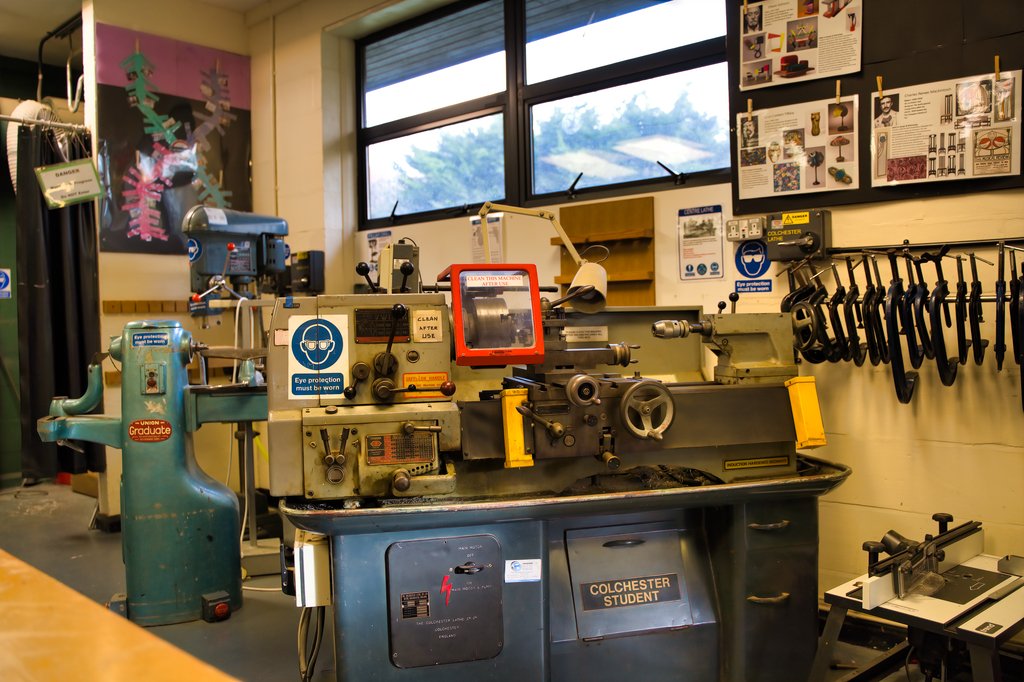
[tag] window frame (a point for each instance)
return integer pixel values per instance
(515, 104)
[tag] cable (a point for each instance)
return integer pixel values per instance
(303, 630)
(261, 589)
(906, 663)
(318, 638)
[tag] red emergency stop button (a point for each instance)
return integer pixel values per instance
(222, 610)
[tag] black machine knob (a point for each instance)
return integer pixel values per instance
(944, 520)
(406, 269)
(363, 270)
(733, 297)
(874, 549)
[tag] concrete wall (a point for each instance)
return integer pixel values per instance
(958, 449)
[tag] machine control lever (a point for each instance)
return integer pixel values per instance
(325, 438)
(555, 429)
(406, 269)
(408, 428)
(384, 389)
(385, 364)
(363, 270)
(360, 372)
(469, 568)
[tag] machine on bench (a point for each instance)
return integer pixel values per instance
(957, 602)
(559, 519)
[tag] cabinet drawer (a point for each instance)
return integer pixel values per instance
(779, 613)
(781, 524)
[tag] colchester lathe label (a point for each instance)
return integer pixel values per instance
(318, 355)
(610, 594)
(149, 430)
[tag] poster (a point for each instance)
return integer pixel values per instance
(700, 243)
(798, 149)
(947, 130)
(783, 41)
(495, 230)
(173, 131)
(375, 243)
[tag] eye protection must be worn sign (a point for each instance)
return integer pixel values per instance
(317, 355)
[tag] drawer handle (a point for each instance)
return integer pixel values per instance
(633, 542)
(784, 523)
(769, 601)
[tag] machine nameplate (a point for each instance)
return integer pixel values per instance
(590, 334)
(755, 462)
(610, 594)
(149, 430)
(393, 448)
(415, 605)
(373, 325)
(240, 261)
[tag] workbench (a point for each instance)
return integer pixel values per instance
(51, 632)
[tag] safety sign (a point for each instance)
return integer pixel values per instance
(5, 283)
(318, 355)
(752, 259)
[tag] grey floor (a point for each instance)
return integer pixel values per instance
(47, 526)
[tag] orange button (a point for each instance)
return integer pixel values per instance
(222, 610)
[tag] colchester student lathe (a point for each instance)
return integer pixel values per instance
(515, 491)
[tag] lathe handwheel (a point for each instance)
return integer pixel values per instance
(647, 409)
(806, 326)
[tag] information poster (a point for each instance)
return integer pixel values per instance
(798, 149)
(782, 41)
(700, 243)
(375, 243)
(947, 130)
(494, 238)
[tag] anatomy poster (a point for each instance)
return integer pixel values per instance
(947, 130)
(173, 130)
(798, 149)
(700, 243)
(782, 41)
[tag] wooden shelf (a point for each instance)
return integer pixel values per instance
(634, 276)
(610, 236)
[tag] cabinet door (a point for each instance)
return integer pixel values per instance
(779, 613)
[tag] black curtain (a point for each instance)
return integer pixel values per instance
(58, 303)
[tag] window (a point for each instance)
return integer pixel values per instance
(512, 100)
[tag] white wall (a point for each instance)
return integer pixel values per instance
(130, 276)
(958, 449)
